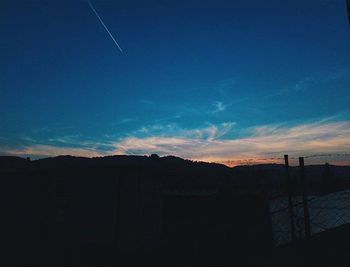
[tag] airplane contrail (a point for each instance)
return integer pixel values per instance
(104, 25)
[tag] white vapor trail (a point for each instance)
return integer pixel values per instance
(104, 25)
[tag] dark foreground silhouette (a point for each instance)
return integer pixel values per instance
(138, 210)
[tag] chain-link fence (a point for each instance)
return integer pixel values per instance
(326, 212)
(294, 211)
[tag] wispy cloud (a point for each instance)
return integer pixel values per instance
(311, 81)
(38, 151)
(209, 132)
(218, 106)
(261, 144)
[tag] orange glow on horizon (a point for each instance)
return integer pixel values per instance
(293, 162)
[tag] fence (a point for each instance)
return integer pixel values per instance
(297, 214)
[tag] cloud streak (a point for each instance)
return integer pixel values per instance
(39, 151)
(311, 81)
(262, 144)
(219, 107)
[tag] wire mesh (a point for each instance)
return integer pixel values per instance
(326, 212)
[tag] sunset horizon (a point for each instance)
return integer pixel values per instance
(215, 81)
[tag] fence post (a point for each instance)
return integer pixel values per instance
(290, 201)
(305, 201)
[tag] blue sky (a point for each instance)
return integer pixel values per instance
(206, 80)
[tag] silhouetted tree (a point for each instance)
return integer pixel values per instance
(154, 156)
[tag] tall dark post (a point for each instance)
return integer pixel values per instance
(305, 201)
(290, 201)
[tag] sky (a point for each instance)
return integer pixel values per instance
(234, 82)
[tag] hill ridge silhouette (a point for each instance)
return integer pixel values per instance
(171, 168)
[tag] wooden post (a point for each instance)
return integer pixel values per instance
(305, 201)
(290, 201)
